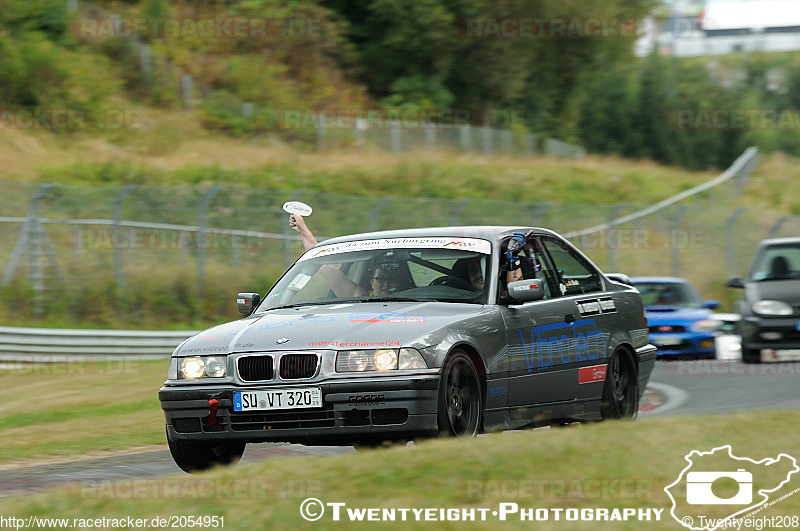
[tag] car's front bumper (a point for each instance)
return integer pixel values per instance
(352, 411)
(645, 358)
(684, 344)
(782, 333)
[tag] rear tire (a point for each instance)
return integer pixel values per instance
(192, 456)
(460, 397)
(621, 389)
(751, 355)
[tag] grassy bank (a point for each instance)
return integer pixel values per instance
(81, 407)
(607, 465)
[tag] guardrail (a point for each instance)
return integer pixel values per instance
(51, 345)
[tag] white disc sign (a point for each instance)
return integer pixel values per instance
(296, 207)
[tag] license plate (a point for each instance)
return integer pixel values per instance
(666, 341)
(295, 398)
(797, 326)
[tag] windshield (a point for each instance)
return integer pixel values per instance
(672, 294)
(440, 269)
(780, 262)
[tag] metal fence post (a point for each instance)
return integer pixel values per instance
(730, 234)
(538, 211)
(674, 249)
(202, 221)
(430, 136)
(395, 137)
(773, 230)
(612, 249)
(119, 267)
(29, 242)
(146, 60)
(455, 217)
(186, 91)
(374, 223)
(488, 140)
(464, 137)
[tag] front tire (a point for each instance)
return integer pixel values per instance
(621, 389)
(460, 397)
(193, 456)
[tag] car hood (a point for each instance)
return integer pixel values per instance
(339, 326)
(787, 291)
(673, 315)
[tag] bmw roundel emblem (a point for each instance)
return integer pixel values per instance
(282, 340)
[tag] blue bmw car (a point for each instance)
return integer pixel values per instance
(679, 321)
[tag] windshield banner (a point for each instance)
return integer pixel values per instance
(462, 244)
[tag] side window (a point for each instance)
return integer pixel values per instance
(574, 274)
(532, 265)
(535, 266)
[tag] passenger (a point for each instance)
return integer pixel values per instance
(383, 279)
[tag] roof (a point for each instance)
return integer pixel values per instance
(779, 241)
(663, 280)
(487, 232)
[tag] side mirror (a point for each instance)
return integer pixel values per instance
(711, 304)
(735, 282)
(526, 290)
(247, 302)
(622, 278)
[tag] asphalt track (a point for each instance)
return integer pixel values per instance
(699, 387)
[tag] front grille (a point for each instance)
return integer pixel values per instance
(296, 366)
(284, 420)
(255, 368)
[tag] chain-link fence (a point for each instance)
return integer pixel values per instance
(62, 238)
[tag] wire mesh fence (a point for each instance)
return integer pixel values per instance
(64, 238)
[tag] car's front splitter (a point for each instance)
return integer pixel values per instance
(352, 411)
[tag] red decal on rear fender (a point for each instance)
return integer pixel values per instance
(595, 373)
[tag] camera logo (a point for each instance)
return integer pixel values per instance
(733, 485)
(699, 492)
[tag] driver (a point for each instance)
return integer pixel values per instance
(383, 280)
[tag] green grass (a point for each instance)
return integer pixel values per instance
(605, 465)
(86, 408)
(82, 407)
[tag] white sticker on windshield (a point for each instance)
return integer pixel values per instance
(462, 244)
(299, 281)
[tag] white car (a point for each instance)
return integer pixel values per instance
(728, 343)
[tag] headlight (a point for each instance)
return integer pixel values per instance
(215, 367)
(385, 360)
(772, 308)
(411, 359)
(706, 325)
(379, 360)
(195, 367)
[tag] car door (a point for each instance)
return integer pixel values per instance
(538, 335)
(589, 313)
